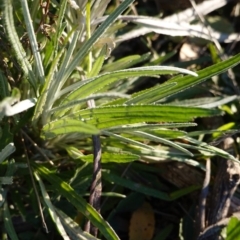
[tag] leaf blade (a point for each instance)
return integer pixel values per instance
(65, 190)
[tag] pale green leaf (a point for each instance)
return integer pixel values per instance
(155, 155)
(73, 152)
(112, 157)
(33, 41)
(127, 140)
(73, 229)
(154, 138)
(110, 116)
(208, 102)
(84, 100)
(60, 81)
(8, 150)
(86, 47)
(152, 127)
(97, 66)
(166, 133)
(59, 25)
(189, 81)
(208, 148)
(42, 104)
(67, 126)
(125, 62)
(12, 167)
(6, 180)
(233, 229)
(16, 44)
(82, 89)
(150, 95)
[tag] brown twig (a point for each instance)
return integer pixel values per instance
(96, 186)
(203, 197)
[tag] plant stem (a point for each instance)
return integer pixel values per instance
(96, 186)
(203, 198)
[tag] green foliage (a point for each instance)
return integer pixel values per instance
(233, 229)
(66, 191)
(9, 166)
(62, 70)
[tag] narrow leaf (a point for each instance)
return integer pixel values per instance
(41, 105)
(189, 81)
(67, 126)
(51, 209)
(4, 88)
(233, 229)
(110, 116)
(211, 149)
(86, 47)
(73, 229)
(97, 66)
(16, 44)
(125, 62)
(84, 100)
(8, 150)
(150, 95)
(32, 40)
(66, 191)
(8, 223)
(134, 186)
(82, 89)
(127, 140)
(111, 177)
(162, 140)
(145, 126)
(112, 157)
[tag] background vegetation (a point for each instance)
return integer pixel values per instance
(150, 94)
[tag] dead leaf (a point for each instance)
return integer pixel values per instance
(142, 223)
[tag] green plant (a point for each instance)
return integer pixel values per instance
(78, 96)
(9, 165)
